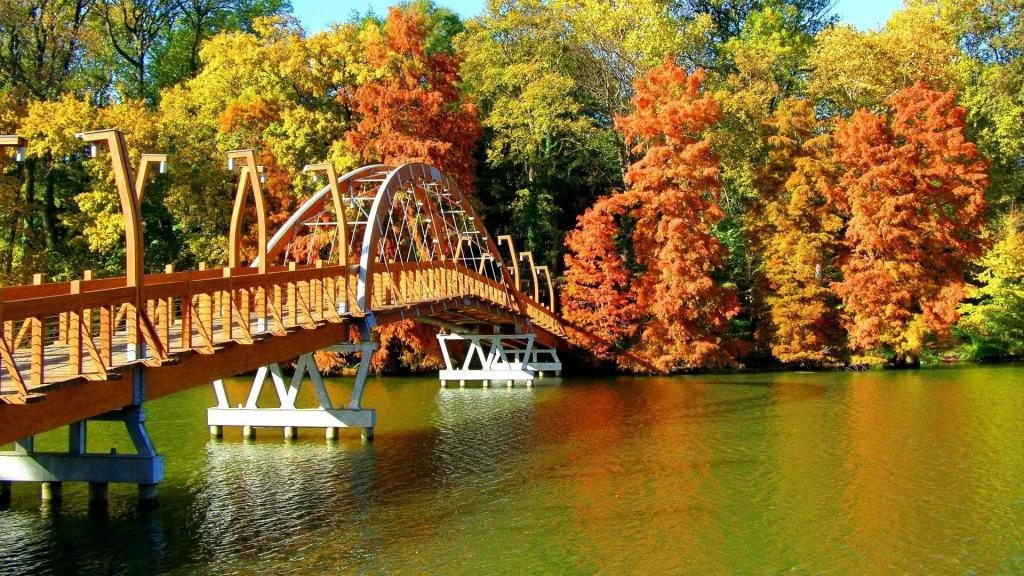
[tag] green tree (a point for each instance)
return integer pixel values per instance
(993, 316)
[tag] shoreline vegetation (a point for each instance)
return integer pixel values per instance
(711, 188)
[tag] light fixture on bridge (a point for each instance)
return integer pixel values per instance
(314, 170)
(18, 143)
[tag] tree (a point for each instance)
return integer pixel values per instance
(861, 69)
(272, 89)
(913, 190)
(726, 19)
(993, 316)
(546, 141)
(599, 294)
(993, 70)
(135, 28)
(411, 108)
(798, 239)
(45, 46)
(684, 311)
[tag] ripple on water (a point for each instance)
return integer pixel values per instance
(876, 473)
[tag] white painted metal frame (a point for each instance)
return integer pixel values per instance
(286, 415)
(541, 360)
(498, 357)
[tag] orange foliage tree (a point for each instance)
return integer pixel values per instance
(412, 111)
(599, 296)
(798, 233)
(912, 189)
(682, 310)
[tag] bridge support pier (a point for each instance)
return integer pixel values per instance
(52, 469)
(286, 416)
(494, 358)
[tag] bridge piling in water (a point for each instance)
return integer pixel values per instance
(493, 358)
(52, 469)
(285, 415)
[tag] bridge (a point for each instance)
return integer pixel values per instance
(377, 245)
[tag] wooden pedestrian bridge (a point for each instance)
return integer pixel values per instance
(376, 245)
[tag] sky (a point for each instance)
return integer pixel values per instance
(317, 14)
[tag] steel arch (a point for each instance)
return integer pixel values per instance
(419, 215)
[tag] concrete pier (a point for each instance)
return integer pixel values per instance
(51, 492)
(52, 469)
(286, 416)
(99, 493)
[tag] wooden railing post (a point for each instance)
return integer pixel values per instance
(37, 345)
(293, 305)
(226, 301)
(165, 314)
(317, 304)
(186, 316)
(87, 313)
(74, 334)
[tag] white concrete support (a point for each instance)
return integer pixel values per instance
(489, 357)
(144, 468)
(543, 361)
(285, 415)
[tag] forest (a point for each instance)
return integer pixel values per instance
(715, 183)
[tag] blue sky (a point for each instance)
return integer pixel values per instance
(317, 14)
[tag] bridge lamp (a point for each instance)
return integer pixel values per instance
(312, 169)
(18, 143)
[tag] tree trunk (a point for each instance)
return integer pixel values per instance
(50, 209)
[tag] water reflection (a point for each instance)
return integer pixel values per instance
(268, 498)
(876, 473)
(69, 541)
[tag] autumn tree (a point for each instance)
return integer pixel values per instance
(683, 310)
(550, 76)
(600, 294)
(410, 109)
(797, 239)
(912, 190)
(854, 69)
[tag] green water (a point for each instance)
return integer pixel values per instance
(915, 472)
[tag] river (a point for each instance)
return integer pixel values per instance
(900, 472)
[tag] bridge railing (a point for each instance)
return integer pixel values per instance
(88, 328)
(397, 284)
(544, 318)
